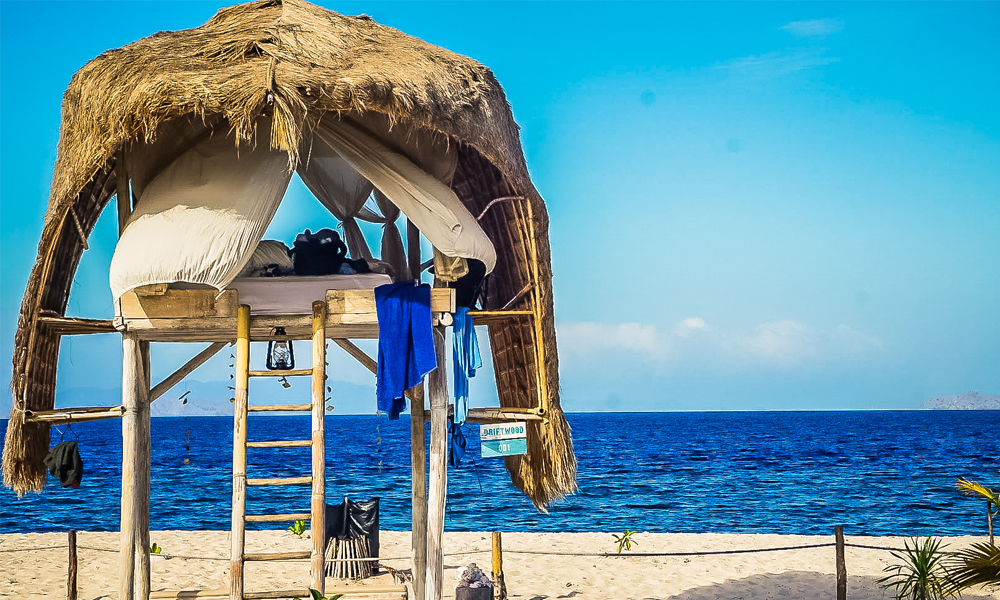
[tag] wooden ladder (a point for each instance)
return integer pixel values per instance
(316, 516)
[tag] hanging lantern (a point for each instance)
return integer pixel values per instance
(280, 356)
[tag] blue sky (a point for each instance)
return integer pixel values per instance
(753, 205)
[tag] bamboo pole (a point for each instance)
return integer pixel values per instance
(133, 382)
(499, 587)
(318, 508)
(240, 453)
(841, 564)
(438, 384)
(418, 466)
(989, 519)
(71, 569)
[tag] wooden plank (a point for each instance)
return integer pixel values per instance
(132, 392)
(362, 302)
(490, 415)
(438, 391)
(281, 444)
(278, 518)
(282, 373)
(317, 570)
(838, 534)
(279, 481)
(224, 329)
(239, 506)
(180, 304)
(418, 492)
(153, 289)
(189, 367)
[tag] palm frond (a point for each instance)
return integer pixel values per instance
(974, 488)
(978, 565)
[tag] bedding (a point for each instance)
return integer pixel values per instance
(295, 295)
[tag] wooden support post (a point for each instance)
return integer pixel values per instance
(413, 250)
(134, 391)
(318, 505)
(499, 587)
(238, 534)
(71, 567)
(438, 384)
(841, 564)
(142, 484)
(418, 466)
(989, 520)
(124, 197)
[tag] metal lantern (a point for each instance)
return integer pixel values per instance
(280, 355)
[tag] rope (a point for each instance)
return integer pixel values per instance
(703, 553)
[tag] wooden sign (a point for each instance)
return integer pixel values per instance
(503, 439)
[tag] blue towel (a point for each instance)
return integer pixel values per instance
(457, 443)
(405, 342)
(466, 359)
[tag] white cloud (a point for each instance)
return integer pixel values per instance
(685, 327)
(789, 343)
(589, 337)
(777, 63)
(783, 342)
(814, 27)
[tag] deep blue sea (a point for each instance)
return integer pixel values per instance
(875, 473)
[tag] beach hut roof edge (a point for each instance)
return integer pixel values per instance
(295, 62)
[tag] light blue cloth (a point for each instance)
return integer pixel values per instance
(466, 359)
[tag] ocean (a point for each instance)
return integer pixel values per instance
(874, 472)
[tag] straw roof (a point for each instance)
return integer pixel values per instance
(296, 61)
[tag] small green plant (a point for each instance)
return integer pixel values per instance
(921, 574)
(154, 549)
(298, 527)
(624, 540)
(975, 489)
(316, 595)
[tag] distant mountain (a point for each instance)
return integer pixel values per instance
(966, 401)
(193, 398)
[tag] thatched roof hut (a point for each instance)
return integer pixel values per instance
(292, 62)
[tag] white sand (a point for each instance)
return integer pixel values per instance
(34, 565)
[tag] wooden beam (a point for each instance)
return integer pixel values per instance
(438, 384)
(71, 569)
(418, 493)
(174, 378)
(73, 415)
(133, 382)
(122, 190)
(238, 533)
(838, 535)
(413, 253)
(317, 569)
(76, 326)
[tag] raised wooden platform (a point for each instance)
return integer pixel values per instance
(165, 315)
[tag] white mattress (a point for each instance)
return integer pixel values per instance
(295, 295)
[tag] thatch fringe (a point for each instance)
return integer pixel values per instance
(296, 62)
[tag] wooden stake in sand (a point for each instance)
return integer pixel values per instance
(841, 564)
(438, 384)
(499, 588)
(71, 569)
(418, 464)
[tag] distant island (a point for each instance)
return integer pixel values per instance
(966, 401)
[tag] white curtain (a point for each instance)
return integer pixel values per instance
(401, 185)
(200, 218)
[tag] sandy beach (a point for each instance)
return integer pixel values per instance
(537, 566)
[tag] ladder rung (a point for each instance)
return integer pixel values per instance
(279, 407)
(278, 518)
(281, 444)
(278, 556)
(288, 373)
(281, 481)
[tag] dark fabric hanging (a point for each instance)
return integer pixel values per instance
(64, 462)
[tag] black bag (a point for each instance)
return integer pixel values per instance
(319, 253)
(354, 519)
